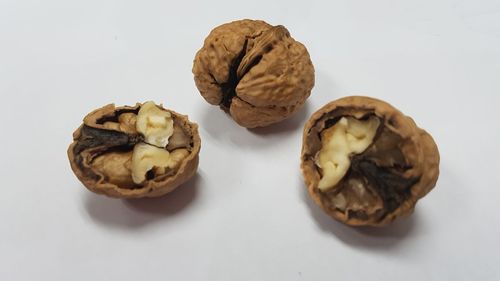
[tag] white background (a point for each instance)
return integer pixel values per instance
(246, 215)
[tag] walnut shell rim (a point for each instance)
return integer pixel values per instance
(255, 72)
(419, 148)
(186, 170)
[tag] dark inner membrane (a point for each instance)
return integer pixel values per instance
(98, 141)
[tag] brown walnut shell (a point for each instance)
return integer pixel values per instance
(101, 153)
(254, 71)
(400, 166)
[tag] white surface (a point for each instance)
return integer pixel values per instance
(246, 215)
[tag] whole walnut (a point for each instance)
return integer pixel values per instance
(365, 162)
(134, 151)
(254, 71)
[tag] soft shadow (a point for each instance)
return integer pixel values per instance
(223, 129)
(137, 213)
(325, 89)
(288, 125)
(383, 238)
(218, 123)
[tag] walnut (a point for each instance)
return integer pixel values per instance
(365, 163)
(254, 71)
(134, 151)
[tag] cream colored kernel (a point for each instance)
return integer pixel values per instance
(155, 124)
(348, 136)
(146, 157)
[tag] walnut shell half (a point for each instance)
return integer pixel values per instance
(365, 163)
(255, 71)
(134, 151)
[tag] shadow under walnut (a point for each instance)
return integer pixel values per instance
(135, 214)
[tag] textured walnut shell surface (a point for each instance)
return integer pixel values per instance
(255, 71)
(81, 158)
(410, 144)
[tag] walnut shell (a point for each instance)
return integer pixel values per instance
(383, 182)
(256, 72)
(101, 153)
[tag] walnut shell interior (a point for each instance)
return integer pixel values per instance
(108, 149)
(386, 179)
(254, 71)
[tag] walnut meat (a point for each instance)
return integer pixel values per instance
(134, 151)
(365, 163)
(254, 71)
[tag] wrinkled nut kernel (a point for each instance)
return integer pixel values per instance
(132, 152)
(146, 157)
(365, 163)
(338, 142)
(154, 124)
(254, 71)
